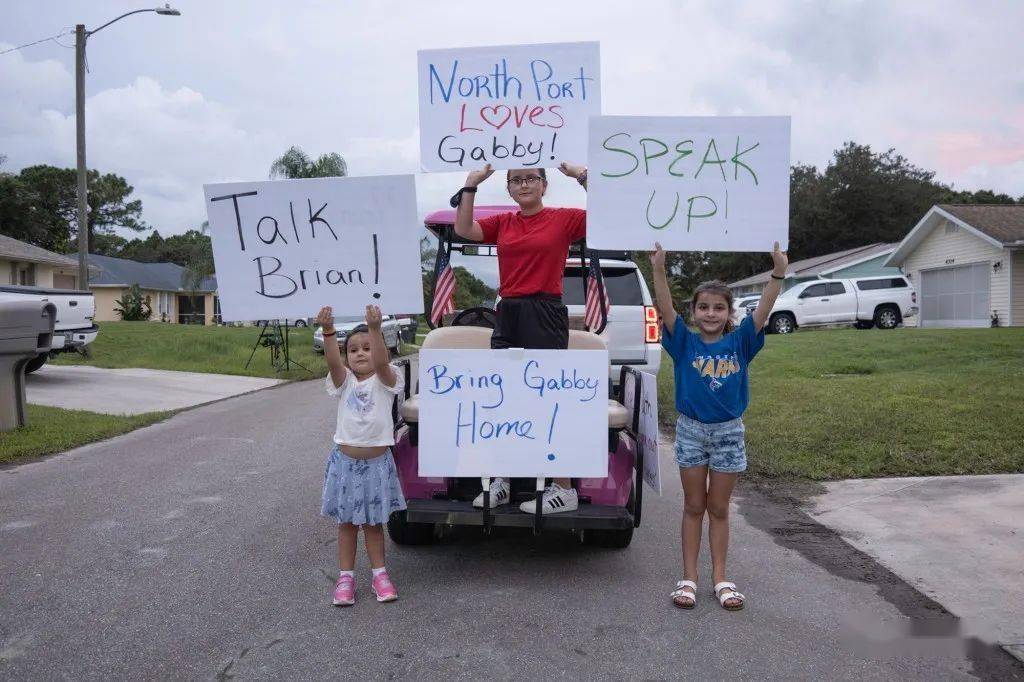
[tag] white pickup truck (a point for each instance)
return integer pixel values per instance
(865, 302)
(74, 329)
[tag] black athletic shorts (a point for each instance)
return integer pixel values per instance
(536, 321)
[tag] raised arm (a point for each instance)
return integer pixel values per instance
(378, 351)
(465, 226)
(577, 173)
(772, 289)
(331, 351)
(662, 292)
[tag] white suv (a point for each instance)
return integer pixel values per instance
(633, 332)
(865, 302)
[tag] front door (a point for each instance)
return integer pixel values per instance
(814, 304)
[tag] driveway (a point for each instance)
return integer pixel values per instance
(959, 539)
(132, 391)
(192, 549)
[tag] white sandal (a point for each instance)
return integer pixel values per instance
(680, 592)
(733, 594)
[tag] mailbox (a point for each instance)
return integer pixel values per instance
(26, 330)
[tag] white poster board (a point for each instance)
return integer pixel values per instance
(288, 247)
(648, 432)
(512, 106)
(691, 183)
(513, 412)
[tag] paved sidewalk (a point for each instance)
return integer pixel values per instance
(958, 539)
(132, 391)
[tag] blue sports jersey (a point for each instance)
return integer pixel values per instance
(711, 378)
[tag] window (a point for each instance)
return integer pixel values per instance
(814, 291)
(871, 284)
(622, 286)
(836, 288)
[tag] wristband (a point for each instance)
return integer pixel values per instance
(326, 334)
(774, 276)
(457, 197)
(582, 179)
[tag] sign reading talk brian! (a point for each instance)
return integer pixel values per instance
(522, 106)
(286, 248)
(513, 413)
(690, 183)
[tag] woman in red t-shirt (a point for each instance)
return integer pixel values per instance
(533, 244)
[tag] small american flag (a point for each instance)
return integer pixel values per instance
(597, 297)
(444, 288)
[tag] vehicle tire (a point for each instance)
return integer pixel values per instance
(35, 363)
(887, 317)
(864, 324)
(300, 324)
(611, 538)
(403, 532)
(782, 323)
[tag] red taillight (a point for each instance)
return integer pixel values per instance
(652, 328)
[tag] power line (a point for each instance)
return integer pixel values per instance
(43, 40)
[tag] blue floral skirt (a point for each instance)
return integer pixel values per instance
(360, 491)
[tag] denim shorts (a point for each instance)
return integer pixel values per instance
(720, 447)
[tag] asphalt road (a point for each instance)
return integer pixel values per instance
(193, 549)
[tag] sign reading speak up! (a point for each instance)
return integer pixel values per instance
(522, 106)
(691, 183)
(513, 413)
(288, 247)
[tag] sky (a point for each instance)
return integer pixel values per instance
(221, 91)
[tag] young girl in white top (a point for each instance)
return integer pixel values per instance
(361, 487)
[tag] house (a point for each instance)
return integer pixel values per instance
(164, 284)
(967, 263)
(863, 261)
(30, 265)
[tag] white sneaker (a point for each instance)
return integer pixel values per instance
(556, 499)
(500, 494)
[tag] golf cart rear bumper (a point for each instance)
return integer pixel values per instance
(458, 513)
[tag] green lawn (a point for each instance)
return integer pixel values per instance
(51, 429)
(194, 348)
(849, 403)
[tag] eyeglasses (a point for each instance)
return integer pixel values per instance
(527, 180)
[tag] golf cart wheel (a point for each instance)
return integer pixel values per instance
(783, 323)
(403, 532)
(887, 317)
(611, 538)
(35, 363)
(864, 324)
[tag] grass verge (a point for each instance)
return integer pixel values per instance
(865, 403)
(194, 348)
(52, 429)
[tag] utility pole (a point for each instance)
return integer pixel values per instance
(83, 199)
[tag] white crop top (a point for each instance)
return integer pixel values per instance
(364, 409)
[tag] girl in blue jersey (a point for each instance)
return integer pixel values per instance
(711, 395)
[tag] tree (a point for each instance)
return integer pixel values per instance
(470, 291)
(295, 164)
(52, 218)
(198, 258)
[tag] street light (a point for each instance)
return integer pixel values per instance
(81, 35)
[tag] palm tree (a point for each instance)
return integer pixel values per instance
(296, 163)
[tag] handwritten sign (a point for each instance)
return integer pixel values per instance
(513, 413)
(691, 183)
(286, 248)
(517, 106)
(648, 429)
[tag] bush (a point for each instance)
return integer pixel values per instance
(133, 306)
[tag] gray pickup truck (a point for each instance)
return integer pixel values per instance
(74, 329)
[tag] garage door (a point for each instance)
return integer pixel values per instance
(956, 297)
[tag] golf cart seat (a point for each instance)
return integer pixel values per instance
(479, 338)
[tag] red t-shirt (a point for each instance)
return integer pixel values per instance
(532, 249)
